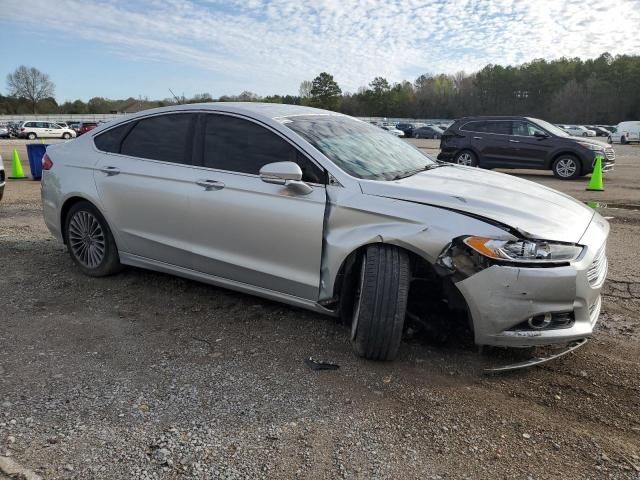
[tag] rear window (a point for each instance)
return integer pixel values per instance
(111, 140)
(164, 137)
(502, 127)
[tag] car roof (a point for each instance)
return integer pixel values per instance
(268, 110)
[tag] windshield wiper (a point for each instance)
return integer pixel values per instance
(409, 173)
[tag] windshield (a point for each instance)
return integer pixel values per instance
(551, 128)
(358, 148)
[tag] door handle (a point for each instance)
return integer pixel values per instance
(110, 171)
(477, 138)
(210, 184)
(514, 141)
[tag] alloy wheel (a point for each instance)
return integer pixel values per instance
(465, 158)
(87, 239)
(566, 167)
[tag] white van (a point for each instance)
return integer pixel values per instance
(626, 132)
(33, 130)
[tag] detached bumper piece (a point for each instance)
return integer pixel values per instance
(538, 360)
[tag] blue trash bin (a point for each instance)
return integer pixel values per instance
(35, 152)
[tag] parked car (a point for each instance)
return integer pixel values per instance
(428, 131)
(626, 132)
(600, 131)
(326, 212)
(393, 130)
(407, 128)
(84, 127)
(33, 130)
(522, 142)
(579, 131)
(4, 131)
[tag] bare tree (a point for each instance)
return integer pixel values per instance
(305, 88)
(30, 83)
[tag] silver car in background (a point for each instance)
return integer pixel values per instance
(322, 211)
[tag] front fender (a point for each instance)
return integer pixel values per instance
(354, 220)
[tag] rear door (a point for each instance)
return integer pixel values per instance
(490, 139)
(143, 176)
(247, 230)
(530, 151)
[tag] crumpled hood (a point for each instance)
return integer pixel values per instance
(535, 210)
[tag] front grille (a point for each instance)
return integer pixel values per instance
(610, 154)
(597, 271)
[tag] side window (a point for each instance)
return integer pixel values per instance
(525, 129)
(238, 145)
(501, 127)
(165, 137)
(474, 127)
(111, 140)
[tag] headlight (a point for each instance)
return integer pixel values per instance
(523, 251)
(591, 146)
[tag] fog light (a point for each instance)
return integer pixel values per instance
(540, 321)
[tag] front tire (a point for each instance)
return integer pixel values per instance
(467, 158)
(566, 167)
(66, 136)
(90, 241)
(380, 302)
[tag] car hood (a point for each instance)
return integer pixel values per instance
(532, 209)
(590, 140)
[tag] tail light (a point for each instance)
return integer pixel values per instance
(22, 129)
(46, 162)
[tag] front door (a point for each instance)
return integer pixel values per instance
(531, 149)
(249, 231)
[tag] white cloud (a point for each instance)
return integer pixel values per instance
(270, 46)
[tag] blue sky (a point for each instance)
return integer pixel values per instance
(123, 48)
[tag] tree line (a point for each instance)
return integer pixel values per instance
(568, 90)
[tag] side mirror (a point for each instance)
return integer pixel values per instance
(288, 174)
(539, 134)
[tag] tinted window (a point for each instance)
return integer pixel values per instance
(164, 137)
(502, 127)
(488, 126)
(111, 140)
(239, 145)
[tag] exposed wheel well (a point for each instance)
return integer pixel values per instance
(428, 289)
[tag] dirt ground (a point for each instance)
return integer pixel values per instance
(144, 375)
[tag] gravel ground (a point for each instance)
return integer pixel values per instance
(144, 375)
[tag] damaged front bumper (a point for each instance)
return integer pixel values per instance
(516, 306)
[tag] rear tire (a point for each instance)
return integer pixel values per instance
(32, 136)
(90, 242)
(467, 158)
(380, 302)
(567, 167)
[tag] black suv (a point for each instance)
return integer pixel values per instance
(521, 142)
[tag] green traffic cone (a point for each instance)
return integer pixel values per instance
(595, 184)
(16, 167)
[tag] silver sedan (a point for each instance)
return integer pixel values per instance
(323, 211)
